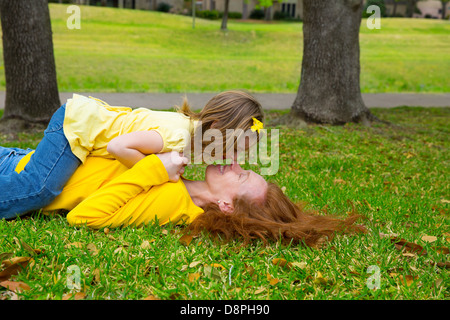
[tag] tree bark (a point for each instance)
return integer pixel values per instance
(225, 16)
(444, 8)
(30, 73)
(410, 7)
(329, 90)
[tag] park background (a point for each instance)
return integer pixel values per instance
(393, 172)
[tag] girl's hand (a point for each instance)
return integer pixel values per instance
(174, 163)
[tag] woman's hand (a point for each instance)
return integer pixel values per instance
(174, 163)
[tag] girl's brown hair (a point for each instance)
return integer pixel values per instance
(277, 219)
(227, 110)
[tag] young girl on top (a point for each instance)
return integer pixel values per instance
(87, 126)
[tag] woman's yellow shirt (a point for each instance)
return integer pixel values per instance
(104, 193)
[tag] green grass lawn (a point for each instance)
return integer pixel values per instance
(121, 50)
(396, 176)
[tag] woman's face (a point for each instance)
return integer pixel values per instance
(227, 182)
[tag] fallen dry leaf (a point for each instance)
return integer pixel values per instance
(211, 272)
(443, 250)
(184, 267)
(407, 279)
(15, 268)
(76, 296)
(401, 244)
(438, 283)
(24, 246)
(185, 239)
(249, 269)
(15, 286)
(408, 254)
(5, 255)
(300, 265)
(445, 264)
(146, 244)
(96, 277)
(9, 294)
(92, 249)
(193, 277)
(429, 238)
(6, 263)
(175, 296)
(235, 290)
(281, 262)
(119, 250)
(272, 281)
(110, 237)
(193, 264)
(258, 291)
(320, 279)
(151, 297)
(339, 181)
(74, 245)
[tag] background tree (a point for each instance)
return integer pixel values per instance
(30, 73)
(379, 3)
(225, 15)
(444, 7)
(410, 7)
(266, 5)
(329, 90)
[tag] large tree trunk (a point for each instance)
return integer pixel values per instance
(444, 6)
(225, 16)
(410, 7)
(329, 90)
(30, 73)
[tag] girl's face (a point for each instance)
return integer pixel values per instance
(226, 182)
(245, 145)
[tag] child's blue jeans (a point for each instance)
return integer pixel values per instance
(45, 175)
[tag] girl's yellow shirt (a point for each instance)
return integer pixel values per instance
(104, 193)
(89, 124)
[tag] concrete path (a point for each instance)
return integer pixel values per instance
(268, 100)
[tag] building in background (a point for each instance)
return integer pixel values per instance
(432, 9)
(292, 9)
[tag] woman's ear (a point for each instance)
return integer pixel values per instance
(225, 207)
(213, 125)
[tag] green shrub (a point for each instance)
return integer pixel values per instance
(208, 14)
(163, 7)
(379, 3)
(257, 14)
(234, 15)
(279, 15)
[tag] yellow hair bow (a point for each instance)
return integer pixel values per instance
(257, 125)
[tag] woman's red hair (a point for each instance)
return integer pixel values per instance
(278, 218)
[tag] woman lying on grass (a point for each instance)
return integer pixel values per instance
(230, 201)
(87, 126)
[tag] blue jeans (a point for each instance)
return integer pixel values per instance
(45, 175)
